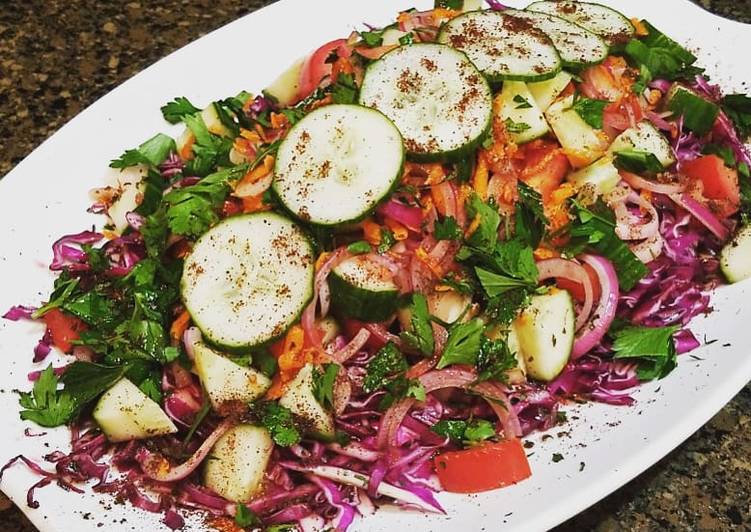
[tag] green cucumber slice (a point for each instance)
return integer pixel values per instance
(300, 400)
(363, 289)
(518, 108)
(545, 92)
(735, 258)
(699, 114)
(337, 164)
(502, 46)
(436, 97)
(645, 137)
(608, 23)
(577, 46)
(600, 177)
(248, 279)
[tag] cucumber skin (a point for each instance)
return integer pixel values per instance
(447, 156)
(360, 304)
(344, 223)
(245, 349)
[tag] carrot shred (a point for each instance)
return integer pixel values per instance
(641, 29)
(179, 326)
(372, 232)
(480, 177)
(400, 232)
(186, 152)
(473, 226)
(278, 120)
(257, 173)
(254, 204)
(252, 136)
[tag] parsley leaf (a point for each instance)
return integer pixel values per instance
(472, 432)
(359, 247)
(513, 266)
(653, 347)
(738, 108)
(372, 38)
(153, 152)
(344, 90)
(590, 110)
(244, 517)
(209, 150)
(460, 285)
(594, 228)
(407, 39)
(387, 240)
(447, 229)
(503, 309)
(280, 424)
(385, 365)
(486, 235)
(637, 161)
(522, 101)
(45, 405)
(530, 222)
(449, 4)
(462, 344)
(496, 284)
(516, 127)
(450, 428)
(494, 359)
(478, 430)
(420, 336)
(323, 384)
(177, 109)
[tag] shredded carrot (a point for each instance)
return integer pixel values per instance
(555, 209)
(473, 226)
(641, 29)
(439, 199)
(426, 259)
(110, 235)
(403, 17)
(480, 177)
(322, 258)
(186, 152)
(224, 524)
(400, 232)
(278, 120)
(291, 359)
(441, 13)
(252, 136)
(257, 173)
(341, 66)
(542, 253)
(372, 232)
(436, 173)
(254, 204)
(179, 326)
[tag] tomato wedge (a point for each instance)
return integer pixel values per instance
(542, 165)
(316, 67)
(482, 468)
(63, 328)
(720, 182)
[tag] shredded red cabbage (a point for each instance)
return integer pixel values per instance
(67, 253)
(19, 312)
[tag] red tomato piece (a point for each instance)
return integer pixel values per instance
(719, 183)
(63, 328)
(542, 165)
(482, 468)
(316, 68)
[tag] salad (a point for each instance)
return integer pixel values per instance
(366, 284)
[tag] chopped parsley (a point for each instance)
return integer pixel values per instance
(420, 335)
(652, 347)
(244, 517)
(280, 423)
(177, 109)
(384, 367)
(359, 247)
(494, 359)
(323, 384)
(516, 127)
(462, 344)
(590, 110)
(447, 229)
(153, 152)
(522, 102)
(45, 405)
(470, 432)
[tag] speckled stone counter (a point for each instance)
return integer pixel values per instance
(58, 56)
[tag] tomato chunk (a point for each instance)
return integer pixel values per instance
(542, 165)
(720, 182)
(316, 67)
(63, 328)
(482, 468)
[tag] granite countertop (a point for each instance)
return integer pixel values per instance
(57, 57)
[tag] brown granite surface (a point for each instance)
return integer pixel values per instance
(57, 57)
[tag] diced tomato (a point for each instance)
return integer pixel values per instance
(577, 289)
(316, 67)
(231, 207)
(720, 183)
(542, 164)
(63, 328)
(482, 468)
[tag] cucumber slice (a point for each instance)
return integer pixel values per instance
(581, 142)
(735, 257)
(517, 105)
(600, 177)
(248, 279)
(699, 114)
(391, 36)
(545, 92)
(299, 399)
(363, 289)
(546, 334)
(645, 137)
(235, 469)
(337, 164)
(213, 122)
(449, 306)
(125, 413)
(284, 89)
(608, 23)
(510, 336)
(435, 96)
(502, 46)
(577, 46)
(129, 187)
(230, 387)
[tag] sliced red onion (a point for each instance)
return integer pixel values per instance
(649, 249)
(567, 269)
(134, 220)
(645, 184)
(661, 85)
(312, 334)
(355, 345)
(191, 337)
(153, 464)
(379, 331)
(604, 312)
(702, 214)
(407, 215)
(356, 450)
(659, 120)
(628, 226)
(19, 312)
